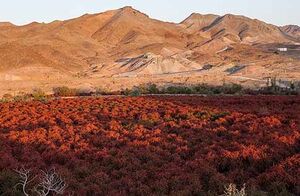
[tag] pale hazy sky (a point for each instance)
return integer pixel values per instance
(277, 12)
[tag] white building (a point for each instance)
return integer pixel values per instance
(282, 49)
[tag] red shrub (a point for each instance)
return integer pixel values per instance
(156, 145)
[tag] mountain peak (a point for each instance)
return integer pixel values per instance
(291, 27)
(130, 11)
(197, 16)
(234, 17)
(6, 24)
(195, 22)
(128, 8)
(292, 30)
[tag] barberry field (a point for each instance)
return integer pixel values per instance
(155, 145)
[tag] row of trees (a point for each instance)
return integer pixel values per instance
(272, 88)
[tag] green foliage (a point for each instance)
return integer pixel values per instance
(22, 98)
(292, 86)
(101, 91)
(39, 95)
(273, 87)
(134, 92)
(7, 97)
(177, 90)
(142, 89)
(231, 88)
(64, 91)
(277, 91)
(203, 89)
(192, 89)
(125, 92)
(152, 89)
(215, 90)
(84, 91)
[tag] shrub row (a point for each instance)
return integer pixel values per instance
(150, 89)
(37, 94)
(204, 89)
(183, 89)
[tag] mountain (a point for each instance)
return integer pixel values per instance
(243, 29)
(131, 32)
(6, 24)
(125, 42)
(211, 33)
(292, 30)
(196, 22)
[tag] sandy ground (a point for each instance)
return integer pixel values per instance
(255, 75)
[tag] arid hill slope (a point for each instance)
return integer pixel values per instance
(196, 22)
(94, 45)
(292, 30)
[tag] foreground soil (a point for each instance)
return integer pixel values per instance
(156, 145)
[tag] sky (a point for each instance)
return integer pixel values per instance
(278, 12)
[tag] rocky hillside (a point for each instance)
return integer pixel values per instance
(126, 42)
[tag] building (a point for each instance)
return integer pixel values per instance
(282, 49)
